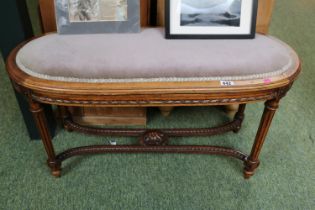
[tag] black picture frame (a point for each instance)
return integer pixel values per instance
(250, 35)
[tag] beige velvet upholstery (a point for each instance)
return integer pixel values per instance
(149, 57)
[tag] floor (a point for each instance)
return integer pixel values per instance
(285, 179)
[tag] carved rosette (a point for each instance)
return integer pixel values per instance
(154, 138)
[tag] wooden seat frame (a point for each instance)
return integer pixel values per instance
(154, 94)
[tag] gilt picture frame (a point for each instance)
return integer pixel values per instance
(215, 19)
(97, 16)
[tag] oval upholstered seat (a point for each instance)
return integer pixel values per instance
(138, 70)
(148, 56)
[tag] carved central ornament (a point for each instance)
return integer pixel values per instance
(154, 138)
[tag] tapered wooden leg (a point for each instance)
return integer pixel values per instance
(65, 114)
(41, 123)
(231, 110)
(252, 162)
(239, 116)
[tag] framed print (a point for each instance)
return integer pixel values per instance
(211, 19)
(97, 16)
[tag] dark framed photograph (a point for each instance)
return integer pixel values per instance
(211, 19)
(97, 16)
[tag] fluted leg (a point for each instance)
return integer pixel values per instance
(41, 123)
(65, 114)
(252, 162)
(239, 116)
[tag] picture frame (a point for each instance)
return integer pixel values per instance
(97, 16)
(216, 19)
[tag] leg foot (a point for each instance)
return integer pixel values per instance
(56, 174)
(248, 174)
(55, 168)
(250, 167)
